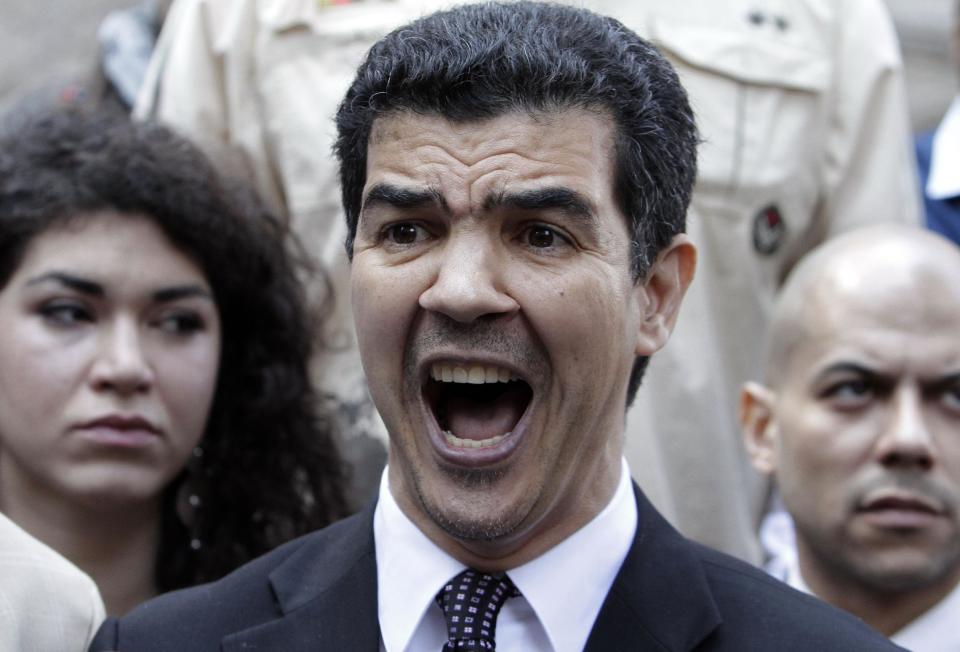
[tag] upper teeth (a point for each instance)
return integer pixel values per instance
(473, 374)
(457, 442)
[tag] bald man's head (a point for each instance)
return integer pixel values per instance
(860, 418)
(859, 268)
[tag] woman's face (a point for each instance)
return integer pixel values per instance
(109, 348)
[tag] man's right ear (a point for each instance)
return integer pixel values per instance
(758, 426)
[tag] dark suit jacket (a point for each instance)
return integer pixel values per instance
(319, 593)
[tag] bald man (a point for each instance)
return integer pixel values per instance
(859, 420)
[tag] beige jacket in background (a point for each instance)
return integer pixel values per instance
(46, 603)
(801, 107)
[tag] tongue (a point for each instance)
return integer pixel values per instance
(478, 420)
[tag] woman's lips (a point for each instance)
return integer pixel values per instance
(124, 431)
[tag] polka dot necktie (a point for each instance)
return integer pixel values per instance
(470, 603)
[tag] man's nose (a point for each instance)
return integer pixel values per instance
(469, 281)
(906, 441)
(121, 364)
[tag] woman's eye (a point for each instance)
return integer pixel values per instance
(405, 233)
(62, 313)
(180, 323)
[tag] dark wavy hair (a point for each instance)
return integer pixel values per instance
(269, 468)
(480, 61)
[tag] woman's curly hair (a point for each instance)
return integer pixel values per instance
(267, 468)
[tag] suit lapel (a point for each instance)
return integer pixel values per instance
(660, 599)
(326, 593)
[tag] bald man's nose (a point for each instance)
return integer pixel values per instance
(906, 440)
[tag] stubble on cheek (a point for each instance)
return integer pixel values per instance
(474, 512)
(884, 563)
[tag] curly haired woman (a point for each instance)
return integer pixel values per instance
(157, 422)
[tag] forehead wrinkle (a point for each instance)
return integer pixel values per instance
(471, 161)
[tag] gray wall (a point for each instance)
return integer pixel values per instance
(924, 27)
(44, 43)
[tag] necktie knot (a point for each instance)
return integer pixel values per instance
(470, 603)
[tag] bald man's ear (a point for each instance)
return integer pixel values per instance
(659, 294)
(758, 426)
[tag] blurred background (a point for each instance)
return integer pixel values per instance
(55, 40)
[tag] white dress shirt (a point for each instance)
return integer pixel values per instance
(943, 181)
(935, 630)
(563, 589)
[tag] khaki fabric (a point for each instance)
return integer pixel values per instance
(801, 108)
(802, 112)
(46, 603)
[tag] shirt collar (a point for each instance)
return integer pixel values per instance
(936, 629)
(794, 578)
(566, 603)
(408, 563)
(943, 181)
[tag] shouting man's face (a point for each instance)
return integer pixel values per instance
(498, 321)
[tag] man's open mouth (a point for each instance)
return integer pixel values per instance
(475, 405)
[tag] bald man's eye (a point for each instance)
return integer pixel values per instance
(405, 234)
(850, 393)
(951, 397)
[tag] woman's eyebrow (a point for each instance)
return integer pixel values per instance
(77, 283)
(93, 288)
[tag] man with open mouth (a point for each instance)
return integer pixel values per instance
(859, 420)
(515, 181)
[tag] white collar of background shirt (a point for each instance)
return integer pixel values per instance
(943, 181)
(557, 610)
(934, 631)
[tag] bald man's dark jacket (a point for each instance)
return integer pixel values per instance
(319, 593)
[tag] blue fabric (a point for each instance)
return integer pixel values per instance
(470, 603)
(942, 215)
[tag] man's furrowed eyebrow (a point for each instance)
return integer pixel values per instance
(554, 197)
(76, 283)
(565, 200)
(400, 197)
(943, 383)
(178, 292)
(849, 368)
